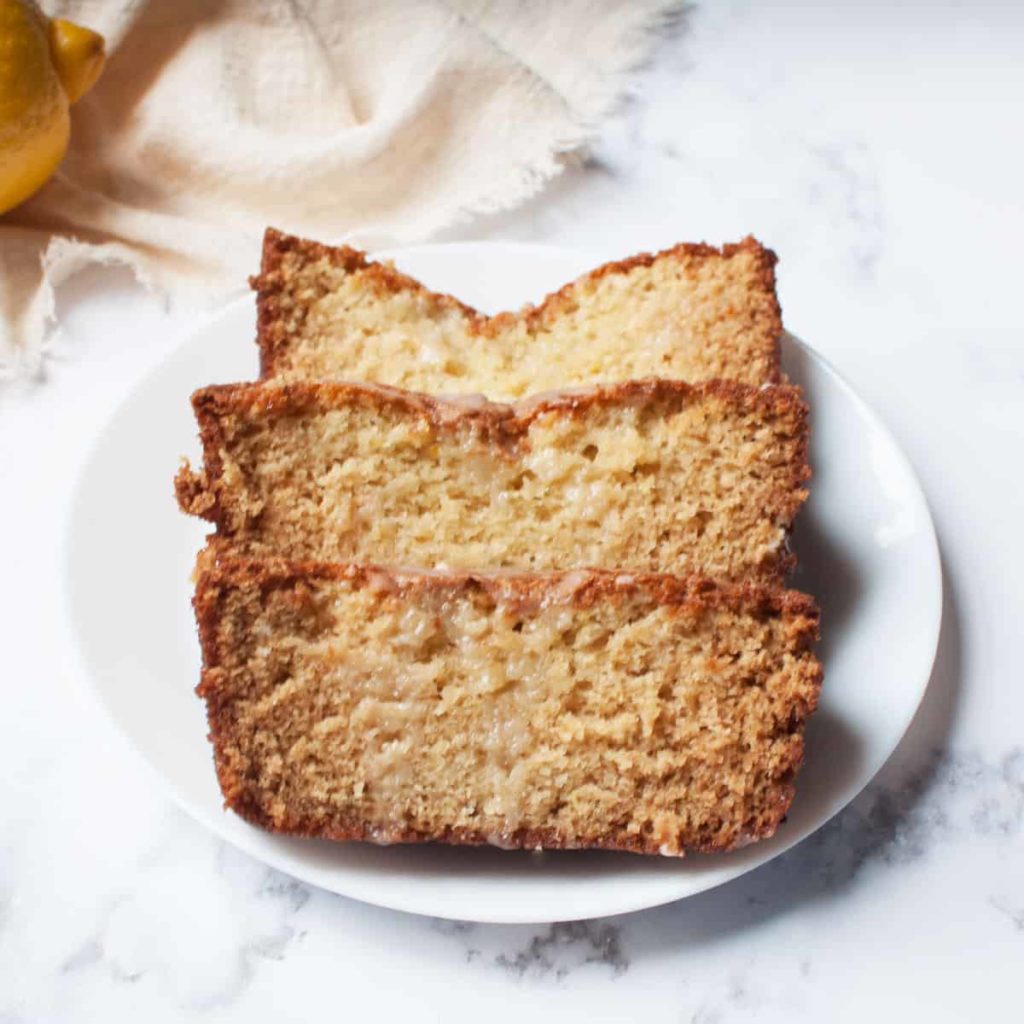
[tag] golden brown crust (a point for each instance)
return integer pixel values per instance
(221, 573)
(511, 419)
(271, 283)
(247, 806)
(581, 588)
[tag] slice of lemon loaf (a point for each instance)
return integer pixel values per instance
(690, 313)
(649, 476)
(653, 714)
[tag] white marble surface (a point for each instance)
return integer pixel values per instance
(878, 149)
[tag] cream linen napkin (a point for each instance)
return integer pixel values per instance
(378, 120)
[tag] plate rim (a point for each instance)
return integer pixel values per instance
(86, 683)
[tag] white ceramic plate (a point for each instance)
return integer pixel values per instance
(867, 550)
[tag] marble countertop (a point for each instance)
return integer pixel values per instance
(877, 148)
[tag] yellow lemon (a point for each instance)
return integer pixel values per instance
(44, 66)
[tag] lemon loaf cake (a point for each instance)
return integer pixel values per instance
(649, 476)
(652, 714)
(690, 313)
